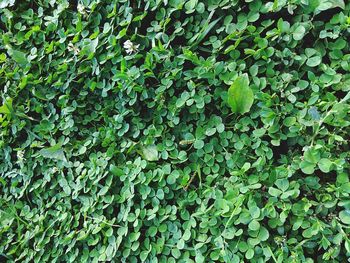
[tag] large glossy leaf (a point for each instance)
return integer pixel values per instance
(240, 95)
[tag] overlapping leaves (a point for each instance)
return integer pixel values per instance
(220, 134)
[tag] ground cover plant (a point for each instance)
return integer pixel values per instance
(174, 131)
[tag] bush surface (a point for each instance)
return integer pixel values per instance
(174, 131)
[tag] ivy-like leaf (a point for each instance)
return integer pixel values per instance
(240, 95)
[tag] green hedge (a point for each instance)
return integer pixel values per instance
(174, 131)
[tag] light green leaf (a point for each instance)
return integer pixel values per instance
(254, 225)
(18, 56)
(143, 255)
(150, 153)
(313, 61)
(93, 45)
(53, 152)
(342, 178)
(345, 187)
(325, 165)
(121, 33)
(299, 32)
(7, 108)
(263, 234)
(190, 5)
(282, 184)
(274, 191)
(198, 144)
(307, 168)
(345, 216)
(180, 244)
(329, 4)
(240, 95)
(116, 171)
(249, 254)
(312, 156)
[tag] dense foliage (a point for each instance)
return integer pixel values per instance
(174, 131)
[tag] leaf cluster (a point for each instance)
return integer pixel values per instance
(222, 135)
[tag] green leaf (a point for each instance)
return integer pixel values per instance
(150, 153)
(110, 251)
(18, 56)
(53, 152)
(325, 165)
(313, 61)
(249, 254)
(152, 231)
(121, 33)
(197, 38)
(240, 95)
(299, 32)
(254, 225)
(312, 156)
(187, 234)
(282, 184)
(198, 144)
(274, 191)
(143, 255)
(342, 178)
(306, 167)
(103, 190)
(329, 4)
(263, 234)
(190, 5)
(345, 216)
(180, 244)
(345, 187)
(116, 170)
(254, 211)
(7, 107)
